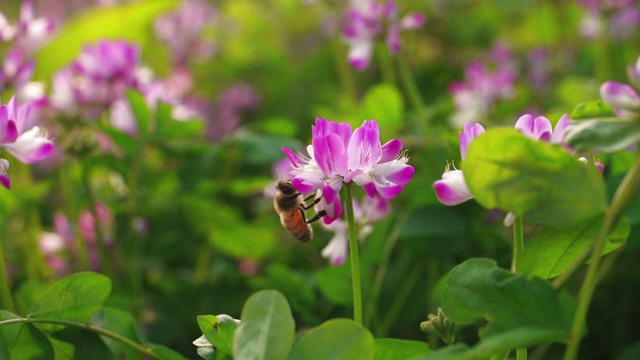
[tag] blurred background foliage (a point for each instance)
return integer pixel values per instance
(211, 237)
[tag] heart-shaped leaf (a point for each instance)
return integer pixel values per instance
(267, 328)
(538, 181)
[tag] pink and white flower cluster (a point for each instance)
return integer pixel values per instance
(338, 155)
(23, 139)
(452, 188)
(97, 80)
(624, 98)
(369, 211)
(366, 20)
(475, 96)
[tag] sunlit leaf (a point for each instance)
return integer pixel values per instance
(267, 328)
(334, 340)
(521, 312)
(550, 252)
(593, 109)
(391, 349)
(539, 181)
(75, 297)
(603, 135)
(22, 340)
(130, 21)
(140, 111)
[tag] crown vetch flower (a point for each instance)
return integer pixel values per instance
(622, 97)
(337, 155)
(378, 168)
(27, 144)
(452, 188)
(366, 19)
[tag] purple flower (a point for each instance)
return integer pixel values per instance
(337, 155)
(370, 211)
(98, 77)
(634, 73)
(622, 97)
(452, 188)
(365, 20)
(380, 169)
(182, 30)
(32, 32)
(27, 144)
(4, 178)
(481, 88)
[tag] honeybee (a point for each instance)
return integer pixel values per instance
(291, 206)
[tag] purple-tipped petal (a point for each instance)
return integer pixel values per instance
(538, 128)
(389, 191)
(302, 186)
(364, 149)
(360, 54)
(370, 189)
(403, 176)
(452, 189)
(620, 96)
(470, 132)
(391, 150)
(413, 21)
(558, 131)
(4, 178)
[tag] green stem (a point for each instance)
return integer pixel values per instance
(346, 74)
(355, 257)
(100, 242)
(381, 272)
(518, 245)
(100, 331)
(518, 249)
(409, 82)
(6, 300)
(386, 65)
(625, 192)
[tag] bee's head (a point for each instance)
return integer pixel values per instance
(286, 188)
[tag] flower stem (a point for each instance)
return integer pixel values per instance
(355, 258)
(625, 192)
(518, 249)
(518, 245)
(100, 331)
(6, 300)
(410, 85)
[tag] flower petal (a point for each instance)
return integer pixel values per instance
(452, 189)
(470, 132)
(537, 129)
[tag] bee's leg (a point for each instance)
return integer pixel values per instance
(315, 218)
(315, 201)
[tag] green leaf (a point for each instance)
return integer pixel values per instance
(75, 343)
(125, 141)
(335, 283)
(333, 340)
(169, 128)
(219, 331)
(76, 297)
(603, 135)
(267, 328)
(521, 312)
(384, 103)
(140, 111)
(130, 21)
(123, 324)
(165, 353)
(536, 180)
(592, 109)
(550, 252)
(22, 340)
(391, 349)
